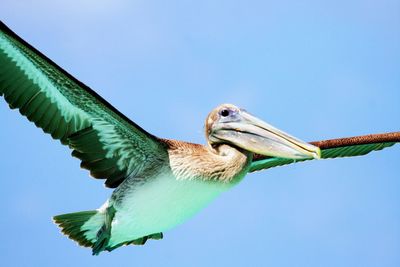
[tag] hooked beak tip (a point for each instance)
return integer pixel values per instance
(317, 153)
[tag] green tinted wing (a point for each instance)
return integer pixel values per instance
(111, 146)
(335, 148)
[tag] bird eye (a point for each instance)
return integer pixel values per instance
(225, 112)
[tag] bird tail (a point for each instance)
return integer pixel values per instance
(81, 226)
(92, 229)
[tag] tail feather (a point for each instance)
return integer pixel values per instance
(72, 225)
(93, 229)
(138, 241)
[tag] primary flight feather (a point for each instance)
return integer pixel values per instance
(159, 183)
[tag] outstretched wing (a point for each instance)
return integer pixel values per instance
(334, 148)
(110, 145)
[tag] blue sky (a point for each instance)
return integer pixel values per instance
(316, 69)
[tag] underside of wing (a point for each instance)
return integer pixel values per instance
(334, 148)
(110, 145)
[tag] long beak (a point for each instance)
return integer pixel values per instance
(255, 135)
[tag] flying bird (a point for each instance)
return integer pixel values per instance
(158, 183)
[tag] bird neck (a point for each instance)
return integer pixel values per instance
(223, 163)
(234, 162)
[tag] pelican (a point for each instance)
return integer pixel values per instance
(158, 183)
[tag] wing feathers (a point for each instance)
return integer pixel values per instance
(335, 148)
(111, 146)
(359, 140)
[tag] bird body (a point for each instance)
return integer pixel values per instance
(159, 205)
(161, 200)
(158, 183)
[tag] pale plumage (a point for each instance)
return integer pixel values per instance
(158, 183)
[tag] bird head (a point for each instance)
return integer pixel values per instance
(228, 124)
